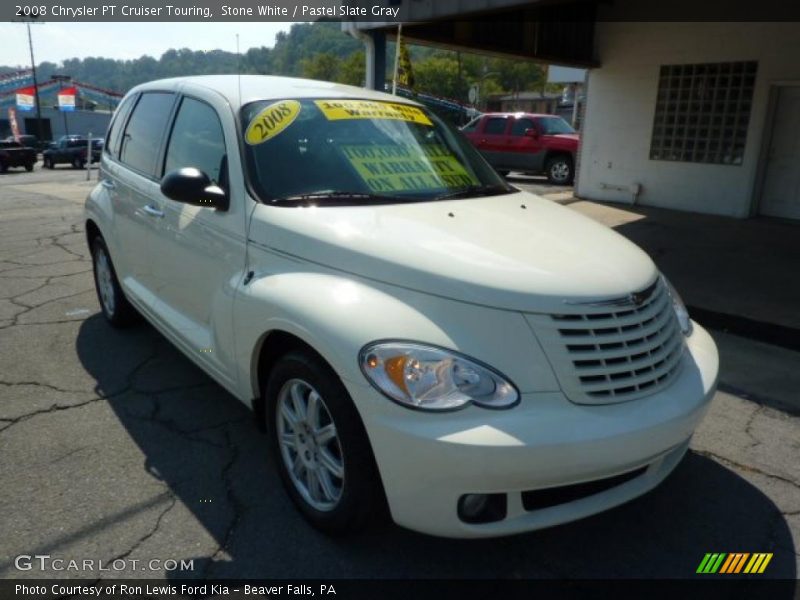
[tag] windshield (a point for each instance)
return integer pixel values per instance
(349, 151)
(555, 126)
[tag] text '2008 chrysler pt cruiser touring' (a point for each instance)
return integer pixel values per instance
(414, 332)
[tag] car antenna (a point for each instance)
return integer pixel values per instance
(238, 69)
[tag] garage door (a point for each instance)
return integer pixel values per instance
(781, 195)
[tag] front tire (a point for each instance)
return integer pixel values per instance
(115, 306)
(560, 170)
(29, 167)
(77, 163)
(319, 445)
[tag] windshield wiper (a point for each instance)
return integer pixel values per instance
(475, 190)
(336, 197)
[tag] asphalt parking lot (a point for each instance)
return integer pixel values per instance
(113, 445)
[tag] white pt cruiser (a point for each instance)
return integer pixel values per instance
(414, 332)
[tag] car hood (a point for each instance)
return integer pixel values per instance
(516, 251)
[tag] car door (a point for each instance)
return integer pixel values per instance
(525, 150)
(139, 208)
(201, 252)
(492, 140)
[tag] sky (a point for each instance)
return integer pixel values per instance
(54, 42)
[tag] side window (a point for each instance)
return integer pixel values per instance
(495, 126)
(520, 126)
(144, 131)
(113, 136)
(196, 140)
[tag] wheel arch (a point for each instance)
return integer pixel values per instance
(92, 231)
(269, 348)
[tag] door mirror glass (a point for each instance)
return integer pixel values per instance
(193, 186)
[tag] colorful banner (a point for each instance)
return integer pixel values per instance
(66, 99)
(12, 120)
(734, 563)
(25, 98)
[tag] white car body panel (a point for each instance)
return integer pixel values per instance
(459, 274)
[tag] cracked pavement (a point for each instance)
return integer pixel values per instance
(114, 446)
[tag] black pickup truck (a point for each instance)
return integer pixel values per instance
(14, 154)
(72, 151)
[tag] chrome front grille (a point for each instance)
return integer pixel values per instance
(613, 351)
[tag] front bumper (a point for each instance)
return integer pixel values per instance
(427, 461)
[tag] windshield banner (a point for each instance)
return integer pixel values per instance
(393, 168)
(335, 110)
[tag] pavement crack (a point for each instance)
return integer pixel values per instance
(747, 468)
(748, 428)
(236, 504)
(173, 501)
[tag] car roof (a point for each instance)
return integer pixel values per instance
(240, 90)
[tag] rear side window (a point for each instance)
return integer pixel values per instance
(495, 126)
(144, 131)
(113, 136)
(196, 140)
(520, 126)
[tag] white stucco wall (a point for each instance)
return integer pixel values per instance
(621, 106)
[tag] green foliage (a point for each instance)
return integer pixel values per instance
(316, 50)
(321, 66)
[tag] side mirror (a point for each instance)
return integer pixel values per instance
(192, 186)
(531, 133)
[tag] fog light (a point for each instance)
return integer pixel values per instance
(472, 505)
(482, 508)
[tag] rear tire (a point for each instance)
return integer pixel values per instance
(115, 306)
(3, 167)
(502, 172)
(29, 167)
(77, 163)
(320, 446)
(560, 170)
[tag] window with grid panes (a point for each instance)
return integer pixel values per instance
(702, 112)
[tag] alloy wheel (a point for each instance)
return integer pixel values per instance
(105, 281)
(310, 445)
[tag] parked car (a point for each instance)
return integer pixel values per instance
(30, 141)
(412, 331)
(14, 154)
(526, 142)
(71, 150)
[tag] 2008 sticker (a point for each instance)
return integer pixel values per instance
(271, 121)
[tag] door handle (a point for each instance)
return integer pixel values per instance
(108, 184)
(153, 211)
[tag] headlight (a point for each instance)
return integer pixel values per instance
(679, 307)
(431, 378)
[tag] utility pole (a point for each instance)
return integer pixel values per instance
(35, 87)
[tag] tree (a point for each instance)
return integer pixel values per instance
(352, 70)
(439, 75)
(322, 66)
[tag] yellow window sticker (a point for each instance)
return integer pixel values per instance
(336, 110)
(395, 168)
(271, 120)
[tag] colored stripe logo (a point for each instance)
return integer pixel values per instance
(734, 562)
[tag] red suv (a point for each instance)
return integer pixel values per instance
(526, 142)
